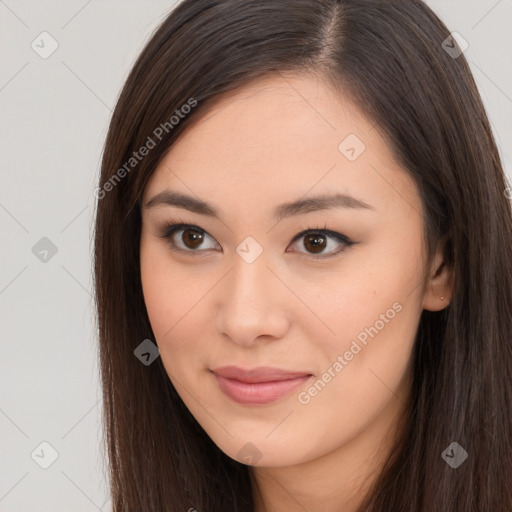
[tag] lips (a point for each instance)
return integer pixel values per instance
(258, 385)
(256, 375)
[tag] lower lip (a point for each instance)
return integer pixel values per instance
(258, 393)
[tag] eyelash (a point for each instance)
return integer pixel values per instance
(176, 225)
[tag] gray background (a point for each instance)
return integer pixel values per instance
(54, 117)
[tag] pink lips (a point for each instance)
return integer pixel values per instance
(259, 385)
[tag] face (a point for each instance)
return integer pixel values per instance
(331, 290)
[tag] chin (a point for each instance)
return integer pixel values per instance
(263, 453)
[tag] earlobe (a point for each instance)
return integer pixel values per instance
(439, 287)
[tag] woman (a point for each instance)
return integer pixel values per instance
(302, 266)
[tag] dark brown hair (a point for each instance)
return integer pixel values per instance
(388, 57)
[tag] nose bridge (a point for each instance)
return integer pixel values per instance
(249, 286)
(249, 306)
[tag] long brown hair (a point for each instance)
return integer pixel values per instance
(392, 59)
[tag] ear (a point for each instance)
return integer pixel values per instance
(439, 281)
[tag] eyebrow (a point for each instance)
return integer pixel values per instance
(298, 207)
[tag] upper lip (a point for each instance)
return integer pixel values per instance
(260, 374)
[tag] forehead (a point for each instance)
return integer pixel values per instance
(278, 138)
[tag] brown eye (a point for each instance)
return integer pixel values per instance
(318, 243)
(315, 242)
(192, 238)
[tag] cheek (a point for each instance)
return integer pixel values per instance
(157, 288)
(168, 291)
(363, 368)
(174, 298)
(372, 308)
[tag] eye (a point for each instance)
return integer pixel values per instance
(191, 238)
(315, 240)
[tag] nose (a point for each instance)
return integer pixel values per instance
(252, 303)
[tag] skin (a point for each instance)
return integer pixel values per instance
(273, 141)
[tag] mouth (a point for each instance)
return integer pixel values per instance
(259, 385)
